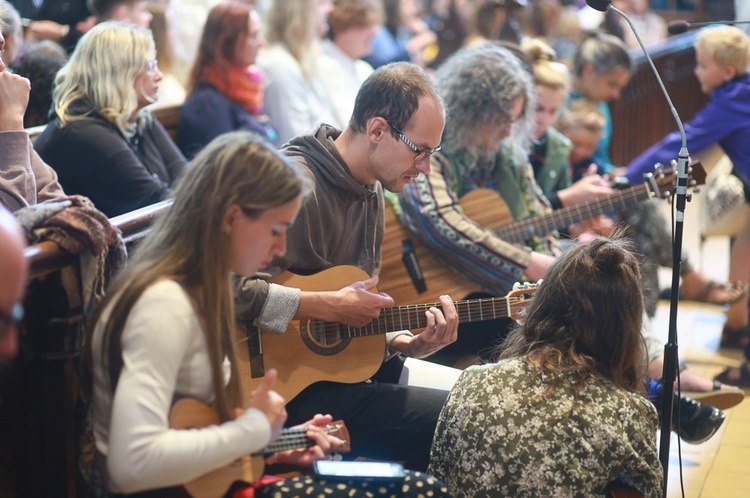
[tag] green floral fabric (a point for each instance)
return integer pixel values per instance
(502, 432)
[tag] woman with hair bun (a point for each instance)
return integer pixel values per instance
(562, 412)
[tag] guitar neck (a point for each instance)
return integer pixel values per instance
(289, 439)
(412, 317)
(522, 231)
(296, 437)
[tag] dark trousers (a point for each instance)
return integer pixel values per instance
(386, 421)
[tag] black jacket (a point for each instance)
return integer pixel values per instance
(92, 158)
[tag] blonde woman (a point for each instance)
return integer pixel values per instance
(103, 143)
(295, 95)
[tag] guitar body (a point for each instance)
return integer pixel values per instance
(188, 413)
(488, 210)
(300, 358)
(484, 206)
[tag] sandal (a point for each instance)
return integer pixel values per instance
(742, 381)
(705, 293)
(735, 338)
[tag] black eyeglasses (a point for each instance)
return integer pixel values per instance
(420, 154)
(13, 318)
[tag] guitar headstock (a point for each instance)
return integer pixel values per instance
(520, 297)
(338, 428)
(662, 182)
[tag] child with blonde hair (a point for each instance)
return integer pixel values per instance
(722, 58)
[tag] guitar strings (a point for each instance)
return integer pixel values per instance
(293, 438)
(523, 230)
(392, 319)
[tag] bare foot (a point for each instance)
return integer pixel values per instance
(697, 287)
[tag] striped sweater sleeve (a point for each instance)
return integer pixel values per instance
(429, 209)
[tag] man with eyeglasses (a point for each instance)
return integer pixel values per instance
(13, 272)
(396, 126)
(490, 100)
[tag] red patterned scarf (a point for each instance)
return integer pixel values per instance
(244, 86)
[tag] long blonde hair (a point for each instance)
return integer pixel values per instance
(294, 23)
(103, 70)
(187, 245)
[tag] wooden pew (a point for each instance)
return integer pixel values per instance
(41, 399)
(168, 116)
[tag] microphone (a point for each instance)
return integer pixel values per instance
(680, 26)
(669, 372)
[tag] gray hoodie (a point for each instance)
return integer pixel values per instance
(340, 223)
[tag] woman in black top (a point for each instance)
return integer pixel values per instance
(103, 143)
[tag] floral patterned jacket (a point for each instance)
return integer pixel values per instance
(502, 432)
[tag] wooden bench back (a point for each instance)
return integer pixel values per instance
(168, 116)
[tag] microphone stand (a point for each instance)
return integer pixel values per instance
(671, 360)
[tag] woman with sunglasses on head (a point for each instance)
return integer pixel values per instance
(103, 143)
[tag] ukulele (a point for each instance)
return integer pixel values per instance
(189, 413)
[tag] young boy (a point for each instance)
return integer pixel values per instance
(722, 55)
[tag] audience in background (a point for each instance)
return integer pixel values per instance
(450, 21)
(550, 149)
(583, 124)
(226, 89)
(127, 11)
(12, 31)
(353, 24)
(63, 21)
(103, 143)
(24, 178)
(651, 27)
(171, 90)
(403, 37)
(602, 66)
(295, 96)
(40, 64)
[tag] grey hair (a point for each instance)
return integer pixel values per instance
(478, 85)
(604, 52)
(10, 19)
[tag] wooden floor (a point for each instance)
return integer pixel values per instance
(719, 467)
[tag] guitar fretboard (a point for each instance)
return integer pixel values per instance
(413, 317)
(522, 231)
(293, 438)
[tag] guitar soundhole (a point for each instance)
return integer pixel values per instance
(322, 337)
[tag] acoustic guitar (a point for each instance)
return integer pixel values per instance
(189, 413)
(313, 350)
(488, 210)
